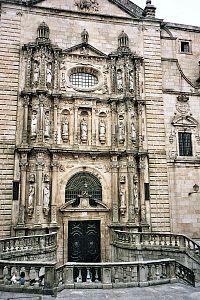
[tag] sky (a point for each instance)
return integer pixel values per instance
(176, 11)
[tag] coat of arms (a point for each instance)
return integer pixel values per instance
(87, 5)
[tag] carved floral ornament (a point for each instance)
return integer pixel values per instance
(87, 5)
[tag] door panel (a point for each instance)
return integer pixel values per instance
(84, 241)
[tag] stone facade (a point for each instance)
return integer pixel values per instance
(91, 110)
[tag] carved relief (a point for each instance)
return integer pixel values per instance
(87, 5)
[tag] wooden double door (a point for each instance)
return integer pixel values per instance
(84, 241)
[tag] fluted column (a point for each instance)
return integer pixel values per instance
(28, 69)
(25, 119)
(22, 204)
(142, 127)
(41, 119)
(55, 166)
(115, 189)
(76, 125)
(55, 114)
(113, 124)
(131, 200)
(142, 191)
(94, 133)
(39, 188)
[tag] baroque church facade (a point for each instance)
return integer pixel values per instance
(99, 126)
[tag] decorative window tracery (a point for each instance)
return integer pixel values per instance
(83, 185)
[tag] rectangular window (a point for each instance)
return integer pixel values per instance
(185, 47)
(185, 143)
(15, 190)
(146, 190)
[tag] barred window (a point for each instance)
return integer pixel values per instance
(83, 80)
(185, 143)
(185, 47)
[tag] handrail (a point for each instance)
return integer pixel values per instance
(27, 245)
(157, 239)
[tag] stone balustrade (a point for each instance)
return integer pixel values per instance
(34, 277)
(117, 274)
(29, 247)
(46, 278)
(146, 240)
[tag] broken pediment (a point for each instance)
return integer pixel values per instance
(184, 121)
(85, 49)
(119, 8)
(84, 204)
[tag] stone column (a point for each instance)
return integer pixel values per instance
(39, 188)
(25, 119)
(137, 75)
(113, 124)
(41, 119)
(28, 69)
(142, 191)
(56, 70)
(131, 202)
(142, 126)
(55, 114)
(76, 125)
(115, 189)
(55, 166)
(94, 132)
(22, 204)
(43, 69)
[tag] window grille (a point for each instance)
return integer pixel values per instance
(83, 80)
(83, 185)
(185, 143)
(185, 47)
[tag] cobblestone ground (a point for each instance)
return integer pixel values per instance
(164, 292)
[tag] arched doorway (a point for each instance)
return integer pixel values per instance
(84, 235)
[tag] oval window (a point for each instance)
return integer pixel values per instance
(83, 80)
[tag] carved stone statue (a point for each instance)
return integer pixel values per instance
(122, 202)
(102, 131)
(36, 72)
(121, 132)
(84, 131)
(46, 125)
(133, 132)
(84, 36)
(46, 196)
(34, 124)
(87, 5)
(49, 74)
(119, 81)
(65, 129)
(31, 195)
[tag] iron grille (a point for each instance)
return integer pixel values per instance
(185, 143)
(83, 185)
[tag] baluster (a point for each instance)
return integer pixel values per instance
(150, 275)
(79, 278)
(165, 240)
(60, 279)
(89, 275)
(27, 277)
(124, 270)
(160, 240)
(37, 279)
(176, 243)
(132, 274)
(96, 275)
(154, 239)
(157, 272)
(170, 240)
(6, 275)
(116, 275)
(164, 271)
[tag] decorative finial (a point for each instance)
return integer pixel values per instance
(43, 31)
(84, 36)
(150, 10)
(148, 2)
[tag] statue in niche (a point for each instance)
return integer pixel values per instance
(121, 132)
(65, 129)
(102, 131)
(49, 74)
(32, 178)
(119, 81)
(46, 125)
(36, 72)
(46, 197)
(84, 130)
(46, 178)
(131, 81)
(34, 124)
(122, 202)
(84, 36)
(31, 195)
(133, 132)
